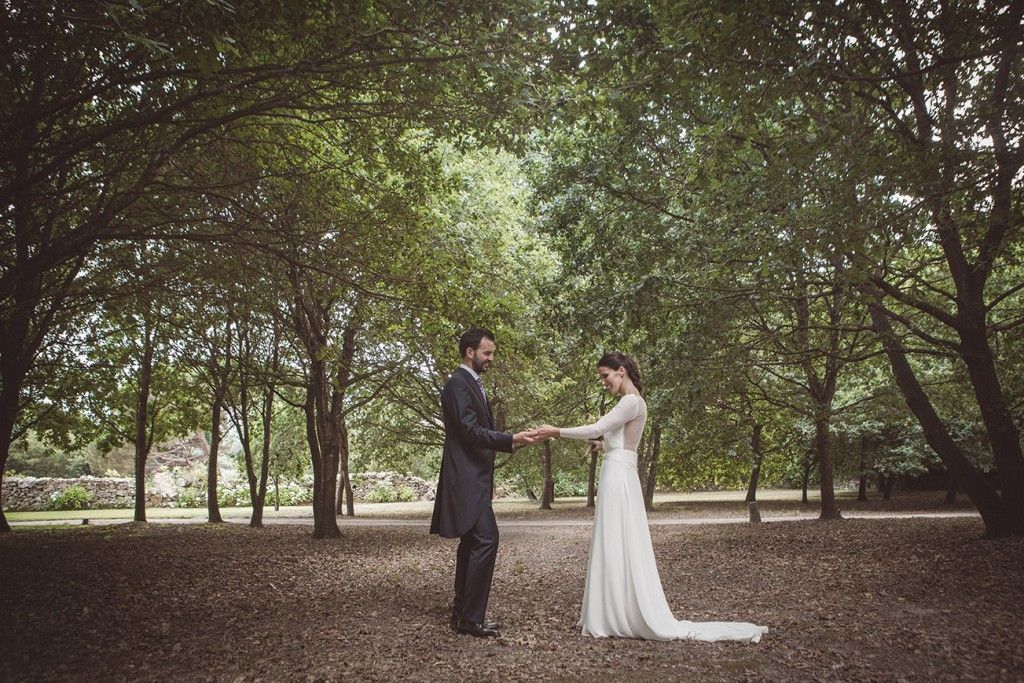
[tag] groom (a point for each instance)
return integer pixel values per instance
(462, 507)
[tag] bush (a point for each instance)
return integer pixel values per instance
(568, 485)
(384, 492)
(72, 498)
(292, 493)
(406, 494)
(192, 497)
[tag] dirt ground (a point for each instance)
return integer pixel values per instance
(911, 599)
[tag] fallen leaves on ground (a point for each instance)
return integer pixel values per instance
(914, 599)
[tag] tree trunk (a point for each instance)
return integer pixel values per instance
(268, 415)
(9, 394)
(19, 344)
(592, 480)
(951, 491)
(325, 456)
(212, 505)
(862, 487)
(277, 492)
(548, 493)
(652, 468)
(809, 463)
(981, 493)
(1003, 435)
(829, 508)
(8, 413)
(141, 421)
(887, 486)
(346, 480)
(755, 471)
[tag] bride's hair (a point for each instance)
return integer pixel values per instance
(616, 360)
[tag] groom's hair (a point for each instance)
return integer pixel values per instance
(471, 339)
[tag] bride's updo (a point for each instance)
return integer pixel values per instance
(616, 360)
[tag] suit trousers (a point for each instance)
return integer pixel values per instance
(474, 568)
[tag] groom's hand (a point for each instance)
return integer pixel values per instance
(545, 432)
(523, 438)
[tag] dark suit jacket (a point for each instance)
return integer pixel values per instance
(467, 463)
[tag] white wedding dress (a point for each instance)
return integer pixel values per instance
(623, 595)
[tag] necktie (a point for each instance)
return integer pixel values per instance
(480, 383)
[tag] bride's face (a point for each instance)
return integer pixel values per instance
(611, 379)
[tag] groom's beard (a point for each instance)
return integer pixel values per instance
(481, 367)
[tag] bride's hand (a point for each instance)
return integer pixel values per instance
(546, 432)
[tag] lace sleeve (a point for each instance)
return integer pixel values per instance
(624, 411)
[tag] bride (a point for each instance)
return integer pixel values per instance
(623, 595)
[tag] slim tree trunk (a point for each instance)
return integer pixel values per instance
(652, 468)
(141, 422)
(212, 505)
(755, 471)
(592, 479)
(809, 463)
(887, 486)
(548, 494)
(261, 492)
(346, 479)
(277, 492)
(951, 491)
(339, 508)
(981, 493)
(862, 487)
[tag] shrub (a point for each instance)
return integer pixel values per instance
(292, 493)
(383, 492)
(192, 497)
(567, 484)
(406, 494)
(74, 497)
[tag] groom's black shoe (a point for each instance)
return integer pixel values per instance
(475, 629)
(453, 621)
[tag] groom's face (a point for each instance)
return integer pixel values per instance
(481, 357)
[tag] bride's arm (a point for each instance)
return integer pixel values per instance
(624, 411)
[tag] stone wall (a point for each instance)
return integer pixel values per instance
(364, 482)
(36, 493)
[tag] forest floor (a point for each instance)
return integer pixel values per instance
(912, 599)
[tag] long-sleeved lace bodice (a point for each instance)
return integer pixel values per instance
(622, 426)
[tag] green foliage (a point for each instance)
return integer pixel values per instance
(75, 497)
(569, 484)
(33, 457)
(191, 497)
(384, 492)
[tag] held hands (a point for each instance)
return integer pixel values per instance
(545, 432)
(524, 438)
(542, 433)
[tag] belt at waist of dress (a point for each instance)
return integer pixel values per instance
(623, 455)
